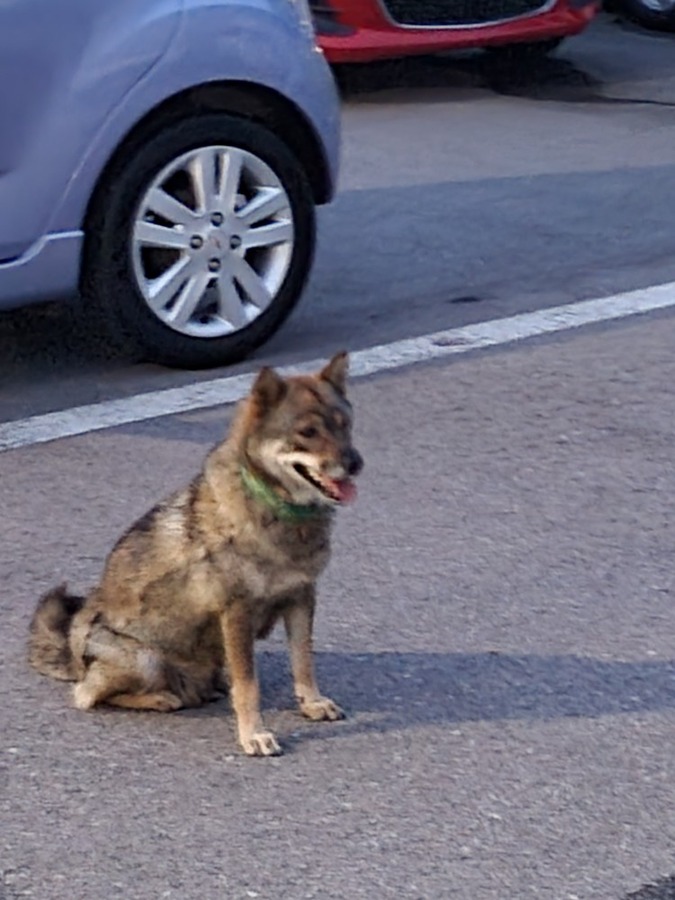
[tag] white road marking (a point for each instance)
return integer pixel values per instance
(139, 408)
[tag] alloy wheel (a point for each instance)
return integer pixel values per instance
(212, 241)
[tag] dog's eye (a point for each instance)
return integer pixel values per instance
(309, 431)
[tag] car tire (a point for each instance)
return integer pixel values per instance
(265, 262)
(521, 54)
(650, 13)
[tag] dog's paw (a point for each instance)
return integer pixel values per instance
(261, 743)
(162, 701)
(83, 696)
(320, 709)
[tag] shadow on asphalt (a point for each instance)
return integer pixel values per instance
(552, 78)
(406, 690)
(52, 333)
(662, 890)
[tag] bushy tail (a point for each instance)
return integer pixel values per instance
(48, 648)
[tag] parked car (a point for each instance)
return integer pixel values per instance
(367, 30)
(658, 14)
(165, 158)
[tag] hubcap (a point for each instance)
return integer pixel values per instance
(212, 241)
(660, 6)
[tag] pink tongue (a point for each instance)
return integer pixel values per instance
(345, 490)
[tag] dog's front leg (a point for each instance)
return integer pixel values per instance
(299, 621)
(238, 639)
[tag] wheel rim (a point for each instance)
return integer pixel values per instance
(659, 6)
(212, 241)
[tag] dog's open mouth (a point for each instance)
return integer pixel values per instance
(337, 490)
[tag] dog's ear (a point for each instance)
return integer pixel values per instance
(335, 372)
(268, 389)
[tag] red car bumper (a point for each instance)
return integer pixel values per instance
(361, 30)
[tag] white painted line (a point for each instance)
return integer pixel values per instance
(111, 413)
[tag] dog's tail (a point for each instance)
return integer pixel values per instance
(48, 646)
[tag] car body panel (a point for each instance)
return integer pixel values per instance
(89, 59)
(200, 53)
(368, 32)
(49, 270)
(108, 67)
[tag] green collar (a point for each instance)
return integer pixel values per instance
(260, 490)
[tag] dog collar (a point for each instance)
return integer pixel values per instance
(260, 490)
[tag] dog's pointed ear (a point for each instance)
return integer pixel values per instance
(268, 389)
(336, 371)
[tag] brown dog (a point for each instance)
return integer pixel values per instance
(189, 587)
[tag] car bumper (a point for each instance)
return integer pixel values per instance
(370, 44)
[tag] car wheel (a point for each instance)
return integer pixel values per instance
(520, 54)
(659, 14)
(200, 242)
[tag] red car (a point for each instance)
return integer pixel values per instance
(366, 30)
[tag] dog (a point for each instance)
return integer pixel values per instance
(189, 587)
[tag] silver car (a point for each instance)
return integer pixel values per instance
(162, 160)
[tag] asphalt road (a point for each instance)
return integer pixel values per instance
(498, 618)
(467, 193)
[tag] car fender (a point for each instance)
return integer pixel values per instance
(264, 46)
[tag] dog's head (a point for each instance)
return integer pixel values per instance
(298, 435)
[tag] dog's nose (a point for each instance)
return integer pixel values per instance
(353, 462)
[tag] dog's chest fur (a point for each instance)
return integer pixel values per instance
(275, 561)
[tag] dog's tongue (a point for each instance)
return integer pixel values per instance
(345, 490)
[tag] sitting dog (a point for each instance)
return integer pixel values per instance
(191, 585)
